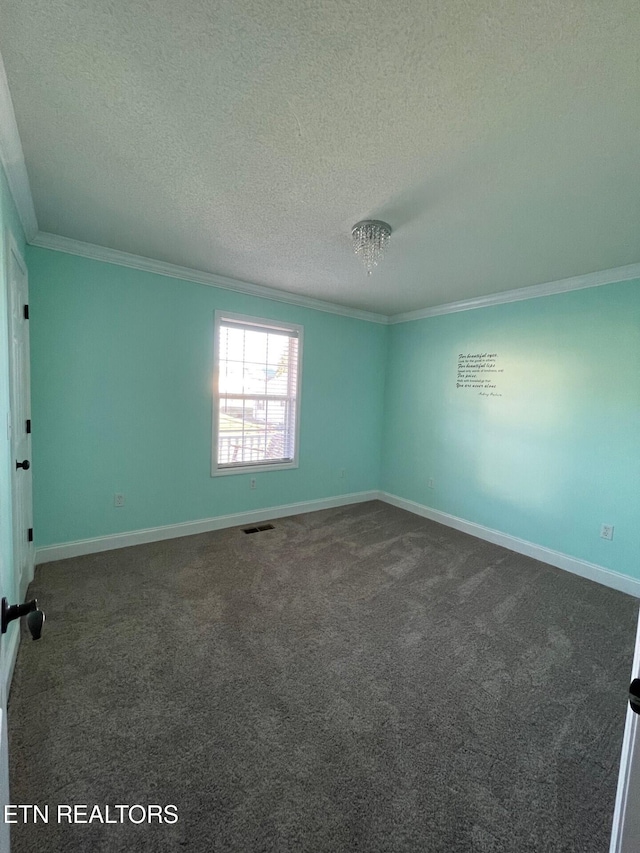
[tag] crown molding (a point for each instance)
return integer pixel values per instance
(124, 259)
(12, 159)
(579, 282)
(57, 243)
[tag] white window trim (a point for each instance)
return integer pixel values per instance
(260, 323)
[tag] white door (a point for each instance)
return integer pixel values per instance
(15, 578)
(23, 547)
(625, 837)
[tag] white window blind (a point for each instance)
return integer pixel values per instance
(256, 399)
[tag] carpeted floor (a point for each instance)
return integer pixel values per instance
(357, 679)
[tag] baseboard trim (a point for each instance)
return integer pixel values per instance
(592, 571)
(606, 577)
(81, 547)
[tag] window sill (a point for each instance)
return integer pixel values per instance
(253, 469)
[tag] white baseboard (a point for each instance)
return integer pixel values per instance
(188, 528)
(593, 572)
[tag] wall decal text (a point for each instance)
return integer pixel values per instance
(480, 372)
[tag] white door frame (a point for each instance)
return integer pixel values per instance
(21, 485)
(625, 836)
(20, 560)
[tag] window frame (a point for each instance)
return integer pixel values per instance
(262, 324)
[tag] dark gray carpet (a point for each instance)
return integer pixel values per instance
(357, 679)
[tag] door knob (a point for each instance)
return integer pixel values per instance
(26, 464)
(35, 619)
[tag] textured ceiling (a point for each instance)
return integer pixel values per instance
(500, 139)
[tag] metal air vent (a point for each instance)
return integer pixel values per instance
(258, 529)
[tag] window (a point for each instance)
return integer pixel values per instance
(256, 394)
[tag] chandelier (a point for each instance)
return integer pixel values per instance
(370, 238)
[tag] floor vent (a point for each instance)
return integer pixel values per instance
(259, 528)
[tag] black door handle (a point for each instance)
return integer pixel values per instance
(634, 695)
(35, 617)
(26, 464)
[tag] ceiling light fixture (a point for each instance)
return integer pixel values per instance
(370, 238)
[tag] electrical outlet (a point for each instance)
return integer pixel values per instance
(606, 531)
(430, 483)
(118, 499)
(252, 483)
(342, 473)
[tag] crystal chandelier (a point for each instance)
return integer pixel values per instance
(370, 238)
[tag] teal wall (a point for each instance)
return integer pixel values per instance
(121, 401)
(9, 224)
(557, 454)
(121, 392)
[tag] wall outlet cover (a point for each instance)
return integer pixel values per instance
(118, 499)
(606, 531)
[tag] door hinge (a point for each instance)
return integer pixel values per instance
(28, 425)
(30, 535)
(26, 312)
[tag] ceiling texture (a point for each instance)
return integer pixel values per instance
(500, 139)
